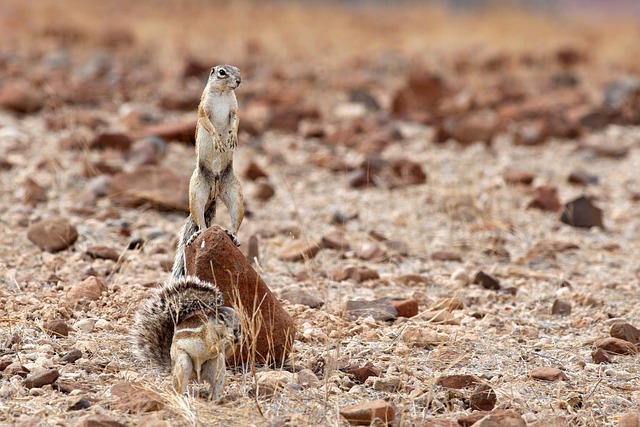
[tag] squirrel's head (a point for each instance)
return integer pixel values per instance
(229, 317)
(224, 77)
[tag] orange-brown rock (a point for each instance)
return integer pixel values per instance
(53, 235)
(153, 184)
(184, 131)
(368, 412)
(269, 331)
(546, 373)
(546, 199)
(405, 307)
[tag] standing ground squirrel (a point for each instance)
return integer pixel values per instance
(213, 176)
(183, 325)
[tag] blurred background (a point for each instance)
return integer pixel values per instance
(433, 62)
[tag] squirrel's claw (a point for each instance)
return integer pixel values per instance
(193, 238)
(233, 238)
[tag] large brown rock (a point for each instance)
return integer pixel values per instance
(184, 131)
(366, 413)
(268, 329)
(163, 188)
(53, 235)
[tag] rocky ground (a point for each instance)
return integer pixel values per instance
(445, 203)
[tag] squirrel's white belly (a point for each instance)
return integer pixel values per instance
(221, 113)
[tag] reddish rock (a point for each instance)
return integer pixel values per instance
(486, 281)
(546, 199)
(411, 280)
(99, 420)
(560, 307)
(182, 99)
(405, 307)
(57, 328)
(135, 398)
(263, 190)
(629, 419)
(113, 140)
(518, 177)
(582, 213)
(361, 178)
(89, 289)
(568, 56)
(42, 378)
(103, 252)
(335, 240)
(53, 235)
(74, 118)
(548, 374)
(625, 331)
(423, 92)
(287, 117)
(497, 417)
(156, 185)
(373, 252)
(408, 171)
(184, 131)
(473, 127)
(21, 96)
(253, 171)
(194, 67)
(616, 346)
(300, 251)
(34, 193)
(582, 177)
(600, 356)
(214, 258)
(358, 274)
(457, 381)
(364, 372)
(368, 412)
(446, 256)
(483, 398)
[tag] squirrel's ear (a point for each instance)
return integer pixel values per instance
(213, 70)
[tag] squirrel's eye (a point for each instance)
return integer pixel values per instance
(222, 73)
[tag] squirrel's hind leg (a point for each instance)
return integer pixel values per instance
(214, 372)
(231, 195)
(182, 370)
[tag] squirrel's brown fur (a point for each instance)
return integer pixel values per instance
(213, 178)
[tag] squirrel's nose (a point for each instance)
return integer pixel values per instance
(238, 81)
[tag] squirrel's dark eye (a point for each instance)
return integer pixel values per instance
(222, 73)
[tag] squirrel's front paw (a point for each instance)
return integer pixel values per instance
(193, 238)
(233, 238)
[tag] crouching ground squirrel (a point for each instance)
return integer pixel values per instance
(213, 177)
(183, 326)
